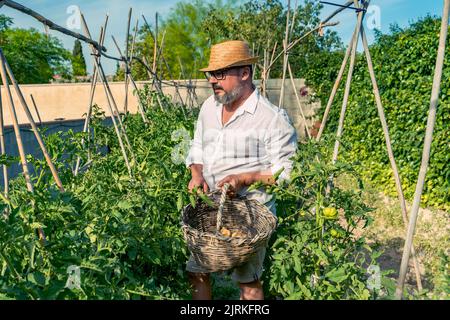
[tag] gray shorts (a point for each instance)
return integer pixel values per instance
(248, 272)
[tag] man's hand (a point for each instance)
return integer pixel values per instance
(197, 179)
(199, 182)
(236, 182)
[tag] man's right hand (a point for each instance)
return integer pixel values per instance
(197, 179)
(198, 182)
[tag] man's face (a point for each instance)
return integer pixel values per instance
(228, 83)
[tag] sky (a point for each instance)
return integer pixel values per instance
(383, 13)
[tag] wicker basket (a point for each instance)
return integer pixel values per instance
(249, 221)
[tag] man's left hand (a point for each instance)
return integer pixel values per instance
(236, 182)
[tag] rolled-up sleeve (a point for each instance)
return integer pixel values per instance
(195, 154)
(281, 144)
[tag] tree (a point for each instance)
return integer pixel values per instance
(186, 44)
(191, 28)
(263, 23)
(33, 57)
(78, 61)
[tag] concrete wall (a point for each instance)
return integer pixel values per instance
(69, 102)
(62, 106)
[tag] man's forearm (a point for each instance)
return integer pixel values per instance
(196, 169)
(249, 178)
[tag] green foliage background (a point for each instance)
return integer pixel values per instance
(404, 63)
(33, 57)
(78, 61)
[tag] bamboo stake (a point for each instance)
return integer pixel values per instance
(296, 41)
(133, 42)
(331, 16)
(20, 147)
(127, 69)
(160, 50)
(130, 77)
(271, 60)
(263, 75)
(426, 149)
(152, 76)
(32, 123)
(293, 17)
(395, 171)
(36, 109)
(165, 62)
(3, 151)
(103, 80)
(298, 101)
(50, 24)
(92, 93)
(12, 111)
(347, 87)
(336, 85)
(286, 55)
(155, 48)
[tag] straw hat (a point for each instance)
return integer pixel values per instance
(228, 54)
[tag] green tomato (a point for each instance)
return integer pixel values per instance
(334, 233)
(330, 213)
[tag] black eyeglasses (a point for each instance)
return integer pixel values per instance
(218, 74)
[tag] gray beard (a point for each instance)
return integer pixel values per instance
(229, 97)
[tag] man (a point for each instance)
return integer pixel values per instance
(240, 138)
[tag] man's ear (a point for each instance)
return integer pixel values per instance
(246, 73)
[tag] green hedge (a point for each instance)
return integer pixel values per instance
(404, 62)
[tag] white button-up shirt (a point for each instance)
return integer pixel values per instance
(258, 137)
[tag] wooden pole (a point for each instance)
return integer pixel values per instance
(271, 62)
(426, 149)
(20, 147)
(293, 17)
(286, 55)
(263, 75)
(133, 42)
(127, 69)
(105, 87)
(394, 167)
(130, 77)
(50, 24)
(298, 100)
(3, 151)
(36, 109)
(398, 182)
(347, 87)
(159, 90)
(176, 85)
(336, 85)
(32, 123)
(155, 48)
(296, 41)
(92, 93)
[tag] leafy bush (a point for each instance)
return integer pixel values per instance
(404, 66)
(317, 253)
(124, 235)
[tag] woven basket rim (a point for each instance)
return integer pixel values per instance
(264, 211)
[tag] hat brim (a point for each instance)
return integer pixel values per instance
(216, 67)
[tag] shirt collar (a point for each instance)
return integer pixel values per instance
(249, 105)
(251, 102)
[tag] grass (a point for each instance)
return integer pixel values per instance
(431, 241)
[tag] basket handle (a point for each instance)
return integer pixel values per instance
(223, 198)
